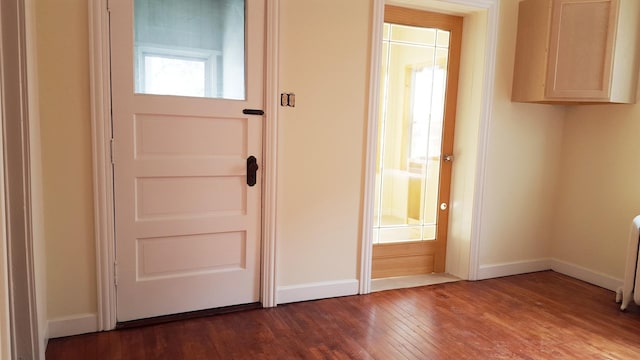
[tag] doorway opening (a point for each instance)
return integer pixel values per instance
(419, 75)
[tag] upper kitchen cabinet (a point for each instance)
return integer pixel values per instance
(573, 51)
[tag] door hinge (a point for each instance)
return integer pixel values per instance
(111, 145)
(108, 5)
(115, 273)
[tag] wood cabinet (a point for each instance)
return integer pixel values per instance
(577, 51)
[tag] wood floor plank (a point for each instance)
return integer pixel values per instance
(542, 315)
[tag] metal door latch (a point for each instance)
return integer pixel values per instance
(252, 169)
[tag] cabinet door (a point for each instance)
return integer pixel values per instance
(580, 51)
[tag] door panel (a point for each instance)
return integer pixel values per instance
(190, 255)
(417, 114)
(187, 223)
(206, 136)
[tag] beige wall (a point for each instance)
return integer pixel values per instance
(598, 193)
(324, 61)
(521, 166)
(63, 66)
(468, 112)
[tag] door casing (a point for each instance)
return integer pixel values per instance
(103, 172)
(21, 320)
(431, 253)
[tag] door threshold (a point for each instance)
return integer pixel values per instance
(400, 282)
(187, 315)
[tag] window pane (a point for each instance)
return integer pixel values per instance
(411, 34)
(413, 85)
(190, 48)
(399, 234)
(443, 38)
(169, 76)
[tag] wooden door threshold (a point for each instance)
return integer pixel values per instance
(187, 315)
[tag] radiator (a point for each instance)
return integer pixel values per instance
(631, 286)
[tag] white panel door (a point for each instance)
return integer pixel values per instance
(187, 222)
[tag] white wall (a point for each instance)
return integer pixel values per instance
(63, 68)
(465, 146)
(561, 183)
(598, 193)
(522, 167)
(324, 61)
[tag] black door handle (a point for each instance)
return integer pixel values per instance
(252, 169)
(253, 112)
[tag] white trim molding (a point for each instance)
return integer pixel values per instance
(19, 128)
(493, 16)
(372, 146)
(491, 271)
(587, 275)
(270, 154)
(100, 64)
(5, 298)
(492, 7)
(315, 291)
(100, 85)
(73, 325)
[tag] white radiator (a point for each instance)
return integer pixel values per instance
(631, 287)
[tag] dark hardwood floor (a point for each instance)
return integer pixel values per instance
(542, 315)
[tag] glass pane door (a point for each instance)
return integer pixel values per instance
(190, 48)
(414, 76)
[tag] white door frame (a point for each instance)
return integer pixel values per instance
(18, 283)
(6, 332)
(100, 64)
(492, 7)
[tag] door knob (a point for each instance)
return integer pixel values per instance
(252, 169)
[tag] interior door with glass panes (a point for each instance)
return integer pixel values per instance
(419, 75)
(186, 153)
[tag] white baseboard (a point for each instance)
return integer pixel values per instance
(584, 274)
(576, 271)
(43, 337)
(513, 268)
(314, 291)
(73, 325)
